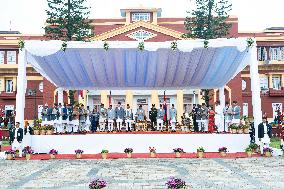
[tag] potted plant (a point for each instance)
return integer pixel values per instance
(36, 130)
(233, 128)
(248, 150)
(53, 153)
(79, 153)
(27, 151)
(49, 129)
(104, 154)
(246, 128)
(97, 184)
(267, 151)
(175, 183)
(43, 130)
(200, 152)
(254, 147)
(152, 152)
(10, 154)
(223, 151)
(128, 152)
(178, 152)
(239, 129)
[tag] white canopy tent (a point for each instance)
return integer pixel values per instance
(87, 65)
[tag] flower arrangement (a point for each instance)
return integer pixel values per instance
(178, 150)
(200, 149)
(174, 45)
(128, 150)
(104, 151)
(267, 149)
(28, 150)
(248, 149)
(11, 152)
(64, 46)
(253, 146)
(206, 44)
(222, 149)
(141, 46)
(175, 183)
(106, 46)
(53, 152)
(79, 151)
(152, 149)
(97, 184)
(233, 126)
(21, 44)
(49, 127)
(250, 42)
(37, 127)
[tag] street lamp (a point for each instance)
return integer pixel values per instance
(32, 92)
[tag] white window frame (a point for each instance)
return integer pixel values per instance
(141, 36)
(2, 57)
(141, 16)
(187, 102)
(11, 57)
(263, 81)
(9, 89)
(276, 86)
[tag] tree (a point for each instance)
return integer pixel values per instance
(68, 20)
(208, 21)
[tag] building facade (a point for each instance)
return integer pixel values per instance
(146, 24)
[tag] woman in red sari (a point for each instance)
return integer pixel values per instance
(211, 123)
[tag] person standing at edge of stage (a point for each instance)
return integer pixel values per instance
(227, 111)
(103, 118)
(88, 118)
(64, 117)
(119, 115)
(204, 118)
(153, 117)
(211, 119)
(140, 115)
(17, 138)
(219, 117)
(111, 118)
(160, 118)
(82, 118)
(173, 118)
(75, 119)
(264, 134)
(95, 117)
(128, 118)
(236, 112)
(69, 119)
(193, 114)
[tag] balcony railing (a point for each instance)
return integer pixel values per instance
(273, 92)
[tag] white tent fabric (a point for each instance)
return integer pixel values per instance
(86, 65)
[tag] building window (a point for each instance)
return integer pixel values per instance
(40, 87)
(276, 82)
(141, 35)
(140, 17)
(187, 103)
(2, 57)
(9, 86)
(276, 53)
(263, 83)
(11, 57)
(261, 53)
(116, 99)
(97, 103)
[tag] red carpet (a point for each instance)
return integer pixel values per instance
(134, 155)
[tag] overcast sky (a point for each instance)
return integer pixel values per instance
(27, 16)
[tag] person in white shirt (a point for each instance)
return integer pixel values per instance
(119, 115)
(17, 138)
(264, 134)
(128, 118)
(219, 120)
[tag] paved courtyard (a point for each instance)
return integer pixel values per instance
(247, 173)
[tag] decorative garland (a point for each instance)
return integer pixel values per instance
(250, 42)
(64, 46)
(174, 45)
(21, 44)
(206, 43)
(106, 46)
(141, 46)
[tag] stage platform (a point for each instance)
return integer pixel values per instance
(116, 143)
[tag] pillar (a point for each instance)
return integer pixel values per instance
(104, 98)
(270, 81)
(282, 81)
(200, 100)
(179, 104)
(60, 96)
(2, 84)
(255, 90)
(15, 83)
(21, 87)
(129, 98)
(222, 99)
(155, 98)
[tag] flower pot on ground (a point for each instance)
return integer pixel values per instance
(53, 153)
(79, 153)
(104, 154)
(268, 154)
(128, 152)
(28, 156)
(175, 183)
(254, 147)
(178, 152)
(248, 150)
(200, 152)
(28, 152)
(97, 184)
(152, 152)
(52, 156)
(223, 151)
(267, 151)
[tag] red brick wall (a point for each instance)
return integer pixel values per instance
(48, 95)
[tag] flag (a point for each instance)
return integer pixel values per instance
(109, 99)
(165, 107)
(82, 94)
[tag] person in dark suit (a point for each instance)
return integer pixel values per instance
(193, 113)
(17, 138)
(153, 117)
(95, 116)
(264, 134)
(11, 128)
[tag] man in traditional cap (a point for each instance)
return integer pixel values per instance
(153, 117)
(264, 134)
(173, 118)
(111, 118)
(128, 118)
(160, 118)
(103, 117)
(119, 114)
(44, 113)
(17, 138)
(82, 118)
(236, 113)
